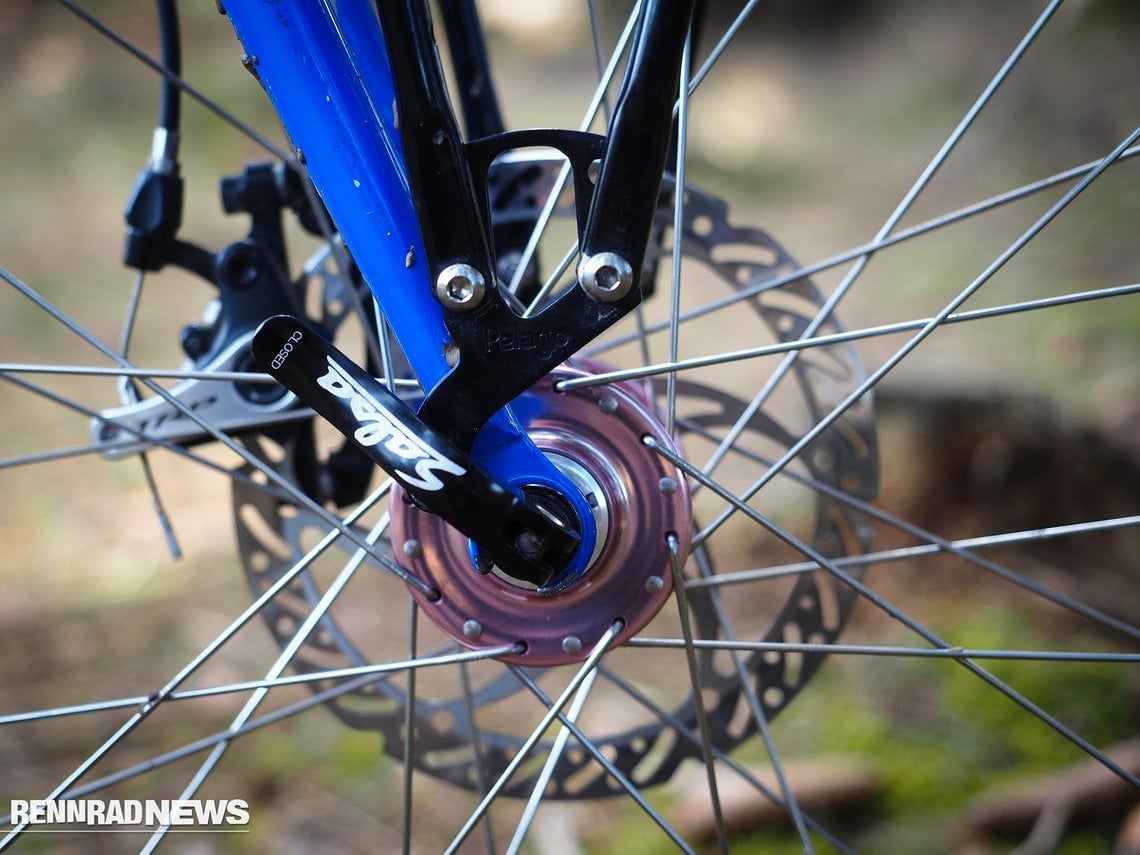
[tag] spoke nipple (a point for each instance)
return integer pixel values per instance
(654, 585)
(608, 405)
(571, 644)
(413, 548)
(667, 485)
(472, 629)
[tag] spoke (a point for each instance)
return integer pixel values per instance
(226, 116)
(281, 681)
(384, 348)
(730, 645)
(756, 708)
(130, 393)
(551, 280)
(165, 373)
(599, 54)
(678, 230)
(697, 690)
(153, 373)
(160, 509)
(552, 759)
(847, 336)
(630, 788)
(884, 605)
(718, 50)
(642, 342)
(410, 725)
(1035, 535)
(132, 314)
(921, 335)
(476, 749)
(527, 747)
(61, 454)
(564, 173)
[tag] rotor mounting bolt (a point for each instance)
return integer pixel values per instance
(571, 644)
(460, 287)
(608, 405)
(472, 629)
(667, 485)
(606, 276)
(654, 585)
(413, 548)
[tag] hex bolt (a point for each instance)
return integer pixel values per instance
(460, 287)
(667, 485)
(472, 629)
(413, 548)
(654, 585)
(605, 276)
(571, 644)
(529, 543)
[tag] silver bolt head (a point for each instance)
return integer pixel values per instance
(571, 644)
(654, 585)
(605, 276)
(472, 629)
(413, 548)
(460, 287)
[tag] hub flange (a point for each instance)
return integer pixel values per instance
(598, 431)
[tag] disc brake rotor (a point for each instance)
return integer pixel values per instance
(594, 434)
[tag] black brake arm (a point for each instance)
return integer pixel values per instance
(500, 354)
